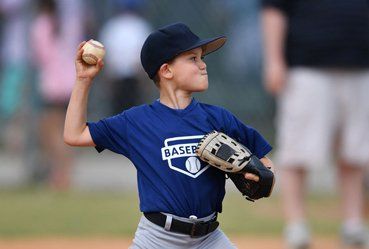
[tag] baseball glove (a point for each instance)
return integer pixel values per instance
(224, 153)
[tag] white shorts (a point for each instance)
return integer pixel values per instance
(315, 107)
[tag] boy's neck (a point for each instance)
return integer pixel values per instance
(175, 100)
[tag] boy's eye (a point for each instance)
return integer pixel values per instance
(193, 58)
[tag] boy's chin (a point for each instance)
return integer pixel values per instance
(198, 87)
(202, 88)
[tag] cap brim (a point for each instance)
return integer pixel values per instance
(209, 45)
(213, 44)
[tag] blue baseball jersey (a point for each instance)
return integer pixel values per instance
(161, 143)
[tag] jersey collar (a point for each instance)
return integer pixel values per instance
(157, 105)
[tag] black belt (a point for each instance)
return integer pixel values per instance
(197, 229)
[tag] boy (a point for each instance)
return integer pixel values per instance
(179, 195)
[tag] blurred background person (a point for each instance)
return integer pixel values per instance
(123, 35)
(13, 73)
(317, 65)
(55, 33)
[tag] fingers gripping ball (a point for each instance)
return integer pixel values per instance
(225, 153)
(93, 51)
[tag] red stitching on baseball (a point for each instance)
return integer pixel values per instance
(90, 56)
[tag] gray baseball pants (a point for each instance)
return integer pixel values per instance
(151, 236)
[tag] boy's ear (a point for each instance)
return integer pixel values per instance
(165, 71)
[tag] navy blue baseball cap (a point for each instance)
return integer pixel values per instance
(169, 41)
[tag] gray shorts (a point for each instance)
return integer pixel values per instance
(151, 236)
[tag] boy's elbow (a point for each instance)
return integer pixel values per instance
(69, 140)
(78, 140)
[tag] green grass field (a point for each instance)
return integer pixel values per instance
(37, 213)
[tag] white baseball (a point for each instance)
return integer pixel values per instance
(193, 164)
(92, 51)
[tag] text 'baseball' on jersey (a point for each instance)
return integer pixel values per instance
(181, 157)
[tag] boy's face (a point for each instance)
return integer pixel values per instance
(189, 71)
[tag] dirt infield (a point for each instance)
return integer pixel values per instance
(109, 243)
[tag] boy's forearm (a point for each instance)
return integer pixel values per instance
(274, 25)
(76, 117)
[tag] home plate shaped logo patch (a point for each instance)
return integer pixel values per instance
(181, 156)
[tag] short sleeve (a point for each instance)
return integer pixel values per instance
(111, 133)
(247, 135)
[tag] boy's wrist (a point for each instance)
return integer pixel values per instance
(86, 82)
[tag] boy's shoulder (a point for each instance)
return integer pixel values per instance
(137, 108)
(135, 111)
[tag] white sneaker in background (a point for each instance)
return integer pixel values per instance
(297, 236)
(357, 237)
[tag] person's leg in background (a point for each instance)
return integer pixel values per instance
(351, 182)
(57, 155)
(294, 194)
(304, 132)
(354, 155)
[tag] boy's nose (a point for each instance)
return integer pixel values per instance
(202, 65)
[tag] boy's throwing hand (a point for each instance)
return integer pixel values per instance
(84, 71)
